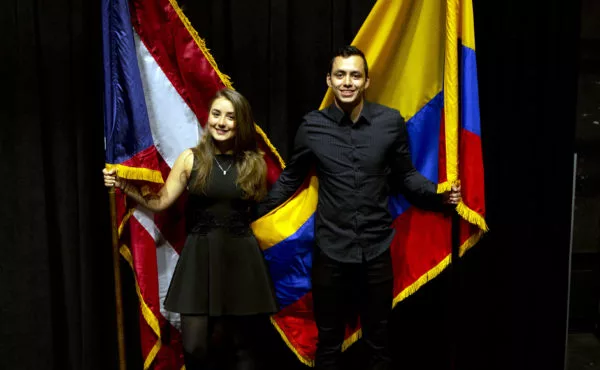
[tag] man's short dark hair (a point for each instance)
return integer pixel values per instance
(348, 51)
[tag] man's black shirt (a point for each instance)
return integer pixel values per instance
(354, 163)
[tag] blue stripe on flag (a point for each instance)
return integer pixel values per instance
(290, 263)
(469, 91)
(424, 135)
(126, 124)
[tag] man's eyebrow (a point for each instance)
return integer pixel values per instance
(353, 71)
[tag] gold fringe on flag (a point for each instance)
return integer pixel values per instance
(225, 79)
(147, 313)
(135, 173)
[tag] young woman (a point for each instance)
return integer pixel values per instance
(221, 282)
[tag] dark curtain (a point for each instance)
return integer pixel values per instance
(502, 307)
(277, 52)
(56, 302)
(514, 286)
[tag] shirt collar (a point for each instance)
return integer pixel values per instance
(337, 114)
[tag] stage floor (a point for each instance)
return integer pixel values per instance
(583, 352)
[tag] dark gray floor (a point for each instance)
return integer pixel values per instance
(583, 352)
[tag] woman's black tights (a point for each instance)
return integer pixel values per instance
(216, 343)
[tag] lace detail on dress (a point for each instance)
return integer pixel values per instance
(202, 222)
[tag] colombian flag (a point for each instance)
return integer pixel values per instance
(422, 62)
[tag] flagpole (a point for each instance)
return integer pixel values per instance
(117, 276)
(451, 111)
(455, 291)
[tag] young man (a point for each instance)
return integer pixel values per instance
(355, 147)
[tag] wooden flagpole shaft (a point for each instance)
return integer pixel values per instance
(117, 277)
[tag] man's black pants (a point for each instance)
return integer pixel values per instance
(340, 291)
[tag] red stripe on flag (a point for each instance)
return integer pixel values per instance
(144, 262)
(468, 230)
(471, 171)
(177, 54)
(146, 158)
(170, 356)
(298, 323)
(422, 241)
(147, 337)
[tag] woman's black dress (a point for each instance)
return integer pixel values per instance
(221, 269)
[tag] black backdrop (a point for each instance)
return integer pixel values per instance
(505, 307)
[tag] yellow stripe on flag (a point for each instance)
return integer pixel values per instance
(403, 42)
(285, 220)
(467, 31)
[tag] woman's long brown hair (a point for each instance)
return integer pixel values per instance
(251, 166)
